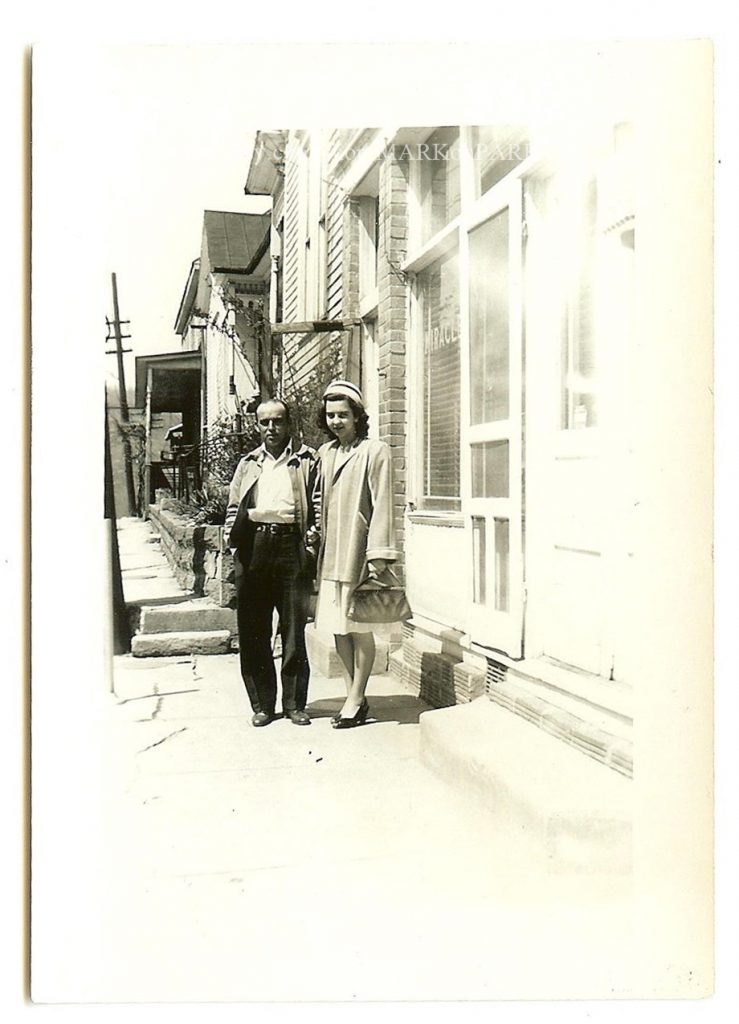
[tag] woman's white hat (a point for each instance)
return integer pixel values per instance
(346, 389)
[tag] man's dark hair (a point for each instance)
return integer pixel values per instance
(274, 401)
(360, 415)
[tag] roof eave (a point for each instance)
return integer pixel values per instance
(188, 299)
(265, 166)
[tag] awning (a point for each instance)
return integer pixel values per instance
(175, 380)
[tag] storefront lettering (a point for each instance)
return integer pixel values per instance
(439, 337)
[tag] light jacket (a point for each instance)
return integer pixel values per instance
(356, 510)
(302, 467)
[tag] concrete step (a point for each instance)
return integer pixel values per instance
(579, 810)
(186, 617)
(155, 645)
(325, 660)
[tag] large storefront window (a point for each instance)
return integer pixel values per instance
(438, 290)
(439, 185)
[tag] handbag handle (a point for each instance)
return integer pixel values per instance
(369, 578)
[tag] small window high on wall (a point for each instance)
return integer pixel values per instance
(366, 205)
(368, 241)
(495, 153)
(439, 192)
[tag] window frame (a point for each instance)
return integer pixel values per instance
(489, 620)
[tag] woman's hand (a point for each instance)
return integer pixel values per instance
(377, 566)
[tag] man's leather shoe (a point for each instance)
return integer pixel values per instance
(261, 718)
(298, 717)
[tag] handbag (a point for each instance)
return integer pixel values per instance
(379, 599)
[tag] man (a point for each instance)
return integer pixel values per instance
(270, 510)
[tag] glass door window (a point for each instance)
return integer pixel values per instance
(489, 321)
(578, 401)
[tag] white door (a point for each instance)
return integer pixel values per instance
(578, 335)
(492, 449)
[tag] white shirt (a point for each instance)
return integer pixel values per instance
(273, 492)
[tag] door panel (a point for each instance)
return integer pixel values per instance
(574, 430)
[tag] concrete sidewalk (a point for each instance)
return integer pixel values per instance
(302, 863)
(147, 576)
(227, 863)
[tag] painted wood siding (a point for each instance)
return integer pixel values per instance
(335, 232)
(301, 353)
(292, 240)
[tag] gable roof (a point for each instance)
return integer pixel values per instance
(235, 240)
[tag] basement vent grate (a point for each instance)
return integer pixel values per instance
(496, 674)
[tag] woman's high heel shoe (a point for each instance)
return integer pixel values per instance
(358, 718)
(335, 718)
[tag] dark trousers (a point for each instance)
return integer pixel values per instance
(268, 577)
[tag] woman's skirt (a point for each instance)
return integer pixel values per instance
(332, 607)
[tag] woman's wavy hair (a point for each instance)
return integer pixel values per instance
(360, 414)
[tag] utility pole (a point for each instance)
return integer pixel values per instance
(117, 632)
(119, 351)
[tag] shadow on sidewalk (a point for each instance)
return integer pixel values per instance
(401, 708)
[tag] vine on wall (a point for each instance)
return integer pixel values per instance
(304, 399)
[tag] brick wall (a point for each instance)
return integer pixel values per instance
(350, 261)
(392, 323)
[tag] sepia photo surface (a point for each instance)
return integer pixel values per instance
(495, 261)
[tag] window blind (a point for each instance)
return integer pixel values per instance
(439, 302)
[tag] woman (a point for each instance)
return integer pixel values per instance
(357, 535)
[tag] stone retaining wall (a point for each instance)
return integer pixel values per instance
(196, 555)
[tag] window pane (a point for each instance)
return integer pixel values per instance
(489, 324)
(496, 151)
(478, 560)
(490, 470)
(439, 197)
(368, 238)
(439, 309)
(502, 564)
(578, 326)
